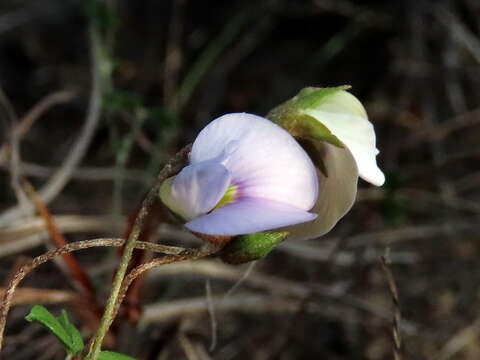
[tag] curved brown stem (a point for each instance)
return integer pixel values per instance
(171, 251)
(39, 260)
(188, 254)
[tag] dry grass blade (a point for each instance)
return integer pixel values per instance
(34, 114)
(39, 296)
(14, 165)
(29, 233)
(211, 313)
(188, 254)
(188, 348)
(78, 276)
(57, 182)
(239, 282)
(397, 316)
(242, 302)
(278, 287)
(460, 340)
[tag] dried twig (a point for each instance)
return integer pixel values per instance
(40, 108)
(57, 182)
(460, 340)
(461, 32)
(29, 233)
(397, 315)
(188, 347)
(39, 260)
(14, 144)
(188, 254)
(173, 58)
(88, 173)
(278, 287)
(7, 298)
(240, 281)
(211, 313)
(249, 303)
(26, 295)
(80, 279)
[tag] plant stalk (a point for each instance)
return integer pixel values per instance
(171, 168)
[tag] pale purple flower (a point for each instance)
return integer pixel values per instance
(246, 175)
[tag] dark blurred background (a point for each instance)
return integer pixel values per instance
(101, 94)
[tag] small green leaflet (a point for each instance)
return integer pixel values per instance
(60, 326)
(110, 355)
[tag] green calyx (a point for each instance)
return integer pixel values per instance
(245, 248)
(293, 115)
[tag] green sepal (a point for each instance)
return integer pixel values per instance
(59, 326)
(245, 248)
(110, 355)
(292, 117)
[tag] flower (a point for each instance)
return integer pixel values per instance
(333, 126)
(248, 175)
(245, 175)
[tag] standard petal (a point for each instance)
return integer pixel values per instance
(248, 216)
(337, 192)
(265, 161)
(197, 189)
(346, 118)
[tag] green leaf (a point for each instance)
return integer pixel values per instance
(110, 355)
(76, 337)
(251, 247)
(60, 326)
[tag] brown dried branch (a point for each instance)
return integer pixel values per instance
(39, 260)
(278, 287)
(34, 114)
(79, 277)
(174, 56)
(57, 182)
(26, 269)
(91, 310)
(187, 254)
(29, 233)
(27, 295)
(397, 315)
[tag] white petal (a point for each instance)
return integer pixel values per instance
(196, 190)
(248, 216)
(265, 161)
(346, 118)
(336, 194)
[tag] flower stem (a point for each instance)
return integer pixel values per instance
(117, 282)
(172, 167)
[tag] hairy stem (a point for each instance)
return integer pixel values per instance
(171, 168)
